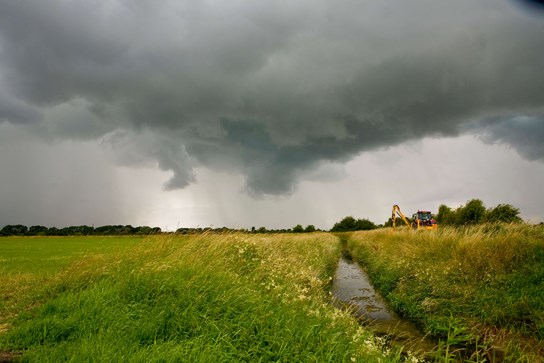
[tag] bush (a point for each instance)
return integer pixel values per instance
(503, 213)
(351, 224)
(474, 212)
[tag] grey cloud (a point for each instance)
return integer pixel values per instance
(15, 111)
(524, 133)
(148, 149)
(270, 90)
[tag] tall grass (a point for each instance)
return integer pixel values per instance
(485, 283)
(211, 298)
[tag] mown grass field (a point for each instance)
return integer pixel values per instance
(44, 255)
(207, 298)
(479, 290)
(28, 263)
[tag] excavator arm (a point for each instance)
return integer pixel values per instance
(396, 211)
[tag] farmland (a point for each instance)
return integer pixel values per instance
(252, 297)
(202, 298)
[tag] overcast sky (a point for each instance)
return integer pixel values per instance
(254, 113)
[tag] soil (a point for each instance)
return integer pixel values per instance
(8, 357)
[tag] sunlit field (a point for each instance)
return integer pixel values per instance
(205, 298)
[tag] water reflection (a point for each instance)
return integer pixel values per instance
(352, 287)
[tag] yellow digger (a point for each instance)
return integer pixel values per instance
(421, 220)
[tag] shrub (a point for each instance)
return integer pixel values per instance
(503, 213)
(351, 224)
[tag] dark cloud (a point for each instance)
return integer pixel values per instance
(524, 133)
(270, 90)
(15, 111)
(535, 5)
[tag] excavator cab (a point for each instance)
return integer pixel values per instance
(421, 219)
(424, 219)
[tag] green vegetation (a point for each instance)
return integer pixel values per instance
(478, 289)
(46, 255)
(117, 230)
(351, 224)
(474, 212)
(196, 298)
(29, 263)
(260, 297)
(128, 230)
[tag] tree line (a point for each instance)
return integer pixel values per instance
(474, 212)
(296, 229)
(117, 230)
(120, 230)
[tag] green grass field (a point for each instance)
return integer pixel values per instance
(251, 298)
(29, 263)
(44, 255)
(207, 298)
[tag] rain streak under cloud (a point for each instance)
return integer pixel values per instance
(271, 91)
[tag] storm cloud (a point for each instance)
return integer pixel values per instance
(271, 90)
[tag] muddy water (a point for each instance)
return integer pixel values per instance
(352, 290)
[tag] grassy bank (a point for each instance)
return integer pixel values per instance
(208, 298)
(477, 289)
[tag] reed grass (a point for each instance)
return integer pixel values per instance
(484, 281)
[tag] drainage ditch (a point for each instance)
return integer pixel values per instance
(353, 291)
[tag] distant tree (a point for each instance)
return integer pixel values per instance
(262, 230)
(351, 224)
(398, 222)
(445, 215)
(52, 231)
(503, 213)
(37, 231)
(310, 228)
(14, 230)
(346, 224)
(128, 229)
(298, 229)
(364, 225)
(104, 230)
(472, 213)
(86, 230)
(147, 230)
(66, 231)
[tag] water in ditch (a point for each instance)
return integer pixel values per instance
(352, 290)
